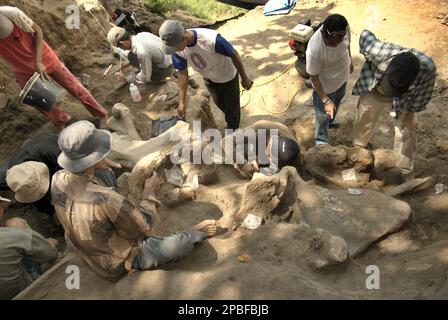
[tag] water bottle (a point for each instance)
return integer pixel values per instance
(135, 93)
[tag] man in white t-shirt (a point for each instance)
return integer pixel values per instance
(214, 58)
(154, 64)
(329, 64)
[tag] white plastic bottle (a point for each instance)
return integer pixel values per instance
(135, 93)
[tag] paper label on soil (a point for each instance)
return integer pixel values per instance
(251, 222)
(348, 175)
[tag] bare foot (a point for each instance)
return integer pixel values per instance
(209, 227)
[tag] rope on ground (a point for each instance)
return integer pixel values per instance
(292, 94)
(104, 30)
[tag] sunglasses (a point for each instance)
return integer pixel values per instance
(336, 33)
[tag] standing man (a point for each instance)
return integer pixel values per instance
(395, 77)
(154, 64)
(329, 64)
(215, 59)
(22, 44)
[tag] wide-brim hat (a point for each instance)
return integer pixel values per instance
(29, 180)
(83, 146)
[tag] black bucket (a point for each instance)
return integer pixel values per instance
(40, 93)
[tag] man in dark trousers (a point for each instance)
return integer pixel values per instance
(215, 59)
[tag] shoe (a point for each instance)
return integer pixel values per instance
(334, 125)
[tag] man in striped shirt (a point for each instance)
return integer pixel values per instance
(400, 78)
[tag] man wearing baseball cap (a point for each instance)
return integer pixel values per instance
(399, 78)
(278, 148)
(214, 58)
(110, 231)
(153, 63)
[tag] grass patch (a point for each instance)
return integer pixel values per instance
(205, 9)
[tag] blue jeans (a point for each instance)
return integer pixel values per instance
(158, 251)
(321, 135)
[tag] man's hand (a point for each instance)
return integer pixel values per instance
(53, 242)
(151, 186)
(247, 83)
(120, 77)
(249, 169)
(40, 68)
(181, 111)
(108, 165)
(408, 121)
(330, 109)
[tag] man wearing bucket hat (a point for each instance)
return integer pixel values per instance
(39, 155)
(399, 78)
(154, 64)
(111, 233)
(214, 58)
(22, 44)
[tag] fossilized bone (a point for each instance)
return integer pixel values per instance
(411, 186)
(144, 152)
(122, 121)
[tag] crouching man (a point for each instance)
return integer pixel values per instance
(22, 252)
(111, 233)
(265, 146)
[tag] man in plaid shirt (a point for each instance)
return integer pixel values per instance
(400, 78)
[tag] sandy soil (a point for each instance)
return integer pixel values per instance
(413, 262)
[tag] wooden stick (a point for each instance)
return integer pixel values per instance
(108, 69)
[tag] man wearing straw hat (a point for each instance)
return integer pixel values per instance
(22, 44)
(111, 233)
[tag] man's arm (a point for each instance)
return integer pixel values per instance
(42, 250)
(329, 105)
(132, 222)
(313, 68)
(183, 85)
(222, 46)
(39, 42)
(238, 63)
(144, 75)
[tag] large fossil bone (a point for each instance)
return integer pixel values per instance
(122, 121)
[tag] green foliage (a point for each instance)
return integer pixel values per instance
(206, 9)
